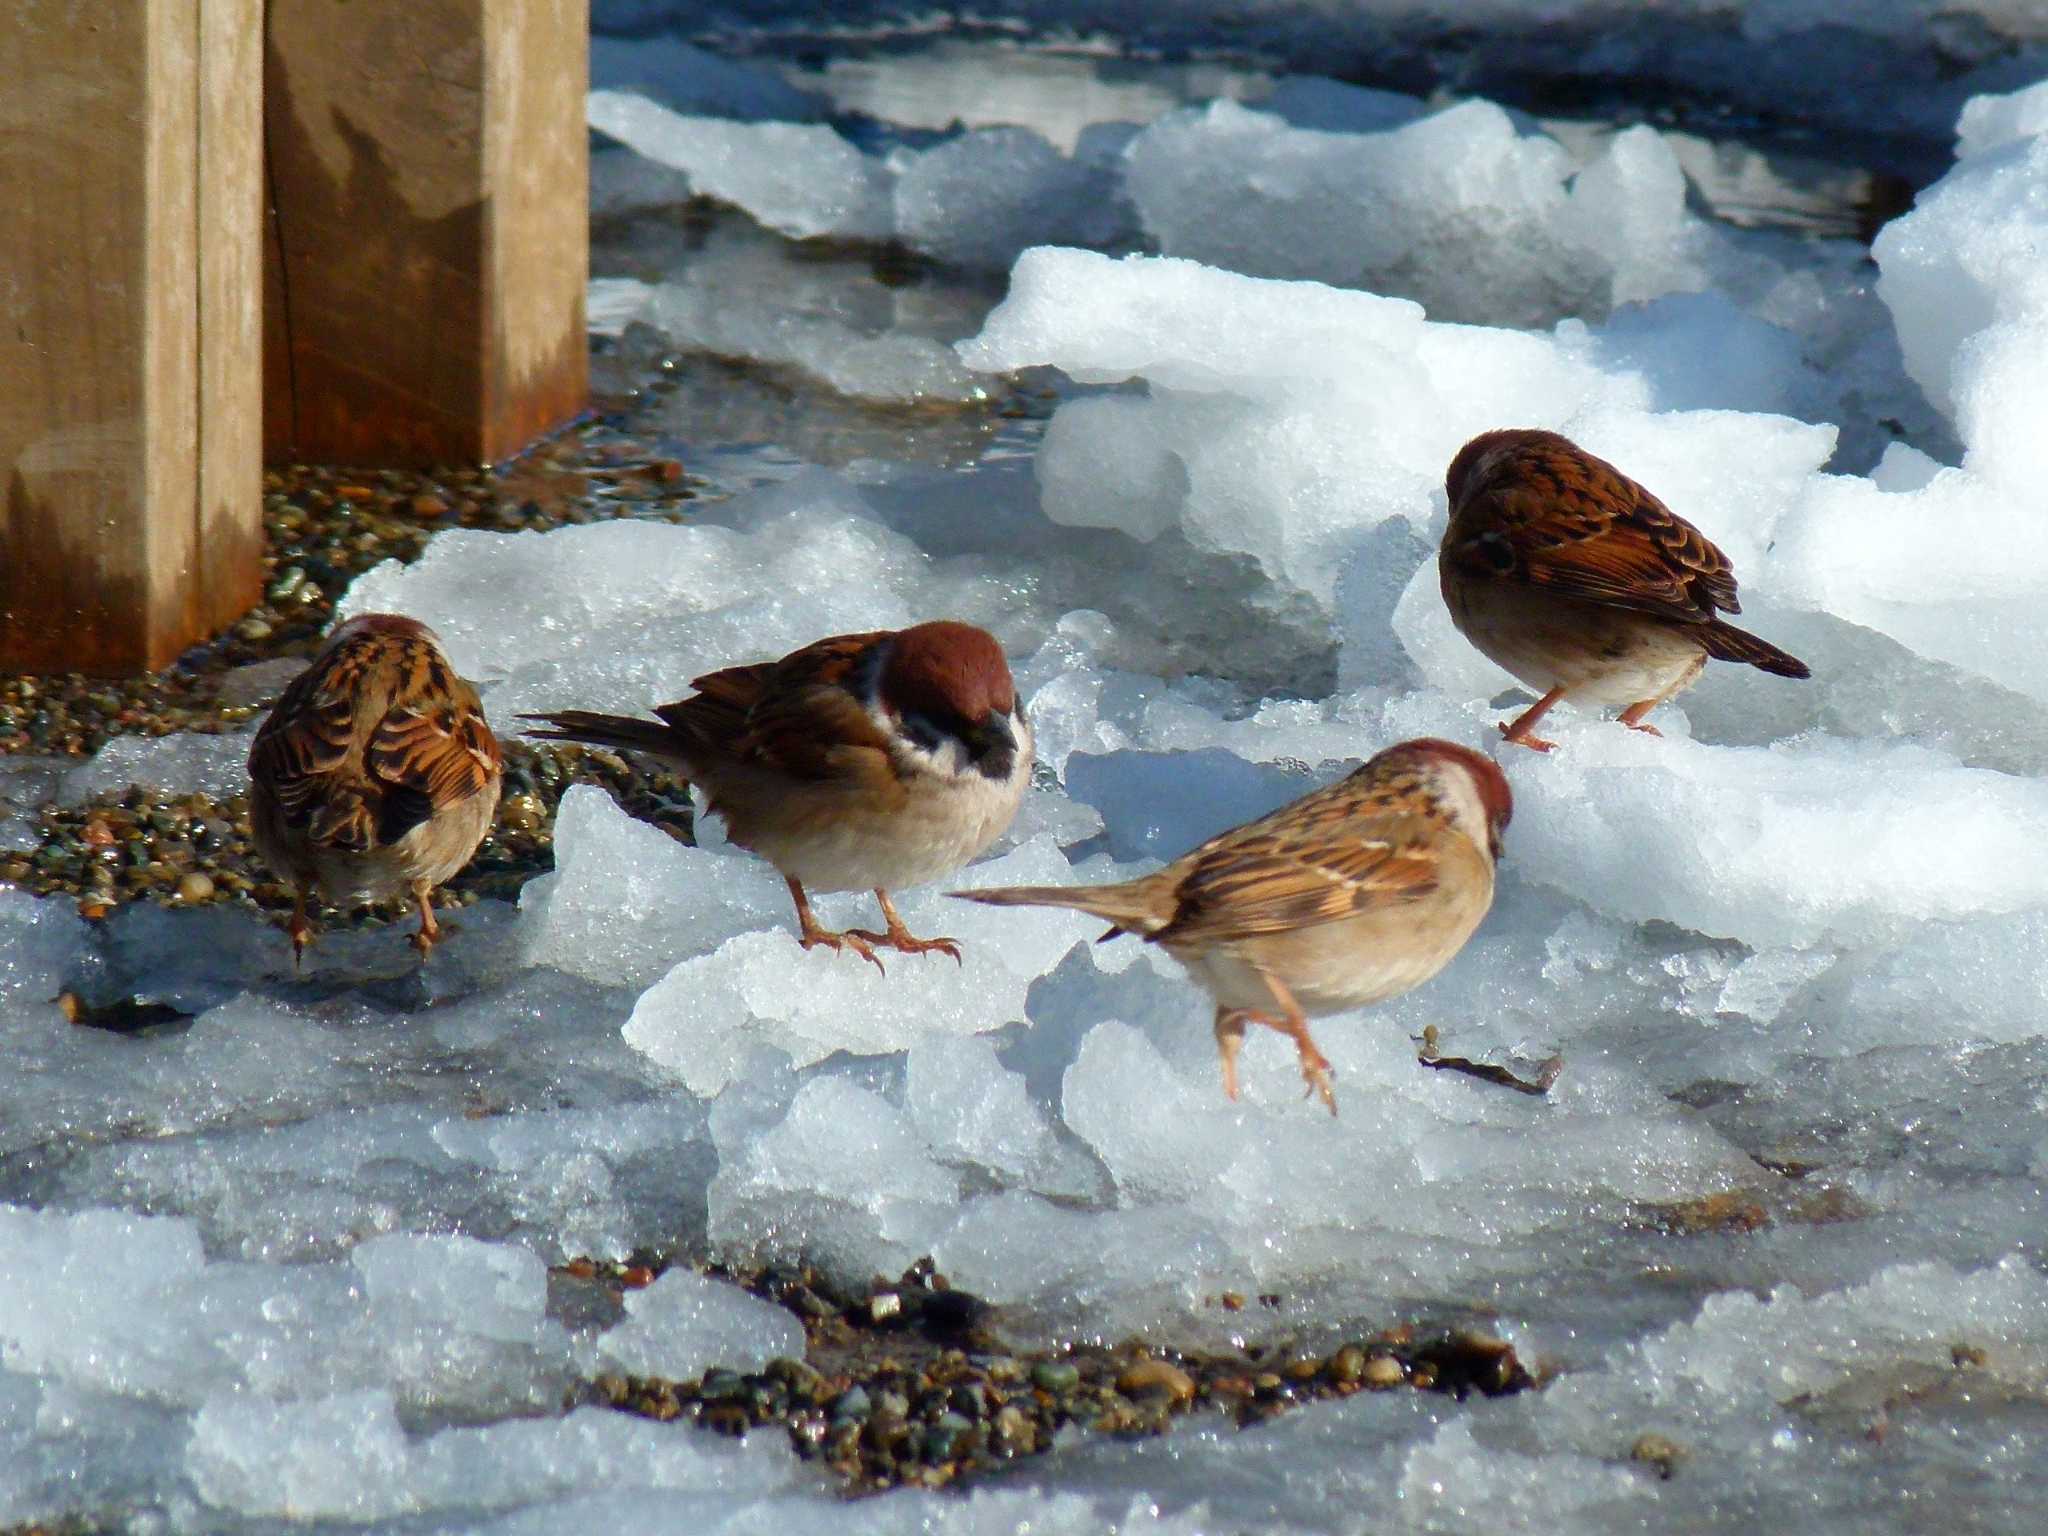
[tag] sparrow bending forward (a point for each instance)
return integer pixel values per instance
(376, 775)
(1570, 575)
(1348, 896)
(861, 762)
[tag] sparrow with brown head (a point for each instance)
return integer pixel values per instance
(860, 762)
(1563, 570)
(1348, 896)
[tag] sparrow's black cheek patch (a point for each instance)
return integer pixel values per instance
(926, 732)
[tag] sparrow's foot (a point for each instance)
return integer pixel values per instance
(1293, 1023)
(1634, 717)
(901, 939)
(300, 930)
(429, 933)
(853, 938)
(1534, 743)
(1522, 729)
(905, 942)
(810, 935)
(1315, 1071)
(1230, 1023)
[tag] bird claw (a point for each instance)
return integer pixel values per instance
(1533, 743)
(906, 943)
(853, 939)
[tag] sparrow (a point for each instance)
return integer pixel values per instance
(1570, 575)
(376, 775)
(1350, 895)
(860, 762)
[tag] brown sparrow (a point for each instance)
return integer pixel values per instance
(1581, 583)
(861, 762)
(376, 775)
(1350, 895)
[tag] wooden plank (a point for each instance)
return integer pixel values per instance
(430, 184)
(130, 523)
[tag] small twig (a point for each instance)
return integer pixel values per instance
(1547, 1071)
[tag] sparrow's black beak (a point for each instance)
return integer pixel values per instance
(994, 736)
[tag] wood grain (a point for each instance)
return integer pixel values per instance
(130, 152)
(428, 257)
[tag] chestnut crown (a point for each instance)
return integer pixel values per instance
(1488, 781)
(947, 670)
(1475, 462)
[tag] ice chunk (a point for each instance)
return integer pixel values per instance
(685, 1323)
(1882, 837)
(188, 762)
(704, 1018)
(626, 900)
(979, 199)
(334, 1458)
(1992, 122)
(970, 1109)
(801, 179)
(842, 1178)
(454, 1283)
(1458, 210)
(42, 946)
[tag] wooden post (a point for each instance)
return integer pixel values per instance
(429, 176)
(130, 168)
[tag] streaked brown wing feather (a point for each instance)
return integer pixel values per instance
(433, 739)
(1325, 857)
(798, 716)
(309, 736)
(1576, 525)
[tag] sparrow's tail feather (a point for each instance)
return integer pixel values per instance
(1731, 644)
(344, 820)
(619, 732)
(1130, 908)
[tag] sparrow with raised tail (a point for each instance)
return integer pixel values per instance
(1564, 571)
(1348, 896)
(376, 775)
(861, 762)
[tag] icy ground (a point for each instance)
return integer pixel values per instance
(290, 1262)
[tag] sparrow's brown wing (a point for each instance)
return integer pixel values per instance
(801, 716)
(1327, 856)
(431, 749)
(309, 742)
(1553, 516)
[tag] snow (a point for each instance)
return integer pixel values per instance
(287, 1259)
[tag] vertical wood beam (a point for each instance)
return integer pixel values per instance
(130, 483)
(429, 178)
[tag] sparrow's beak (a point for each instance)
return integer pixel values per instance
(994, 734)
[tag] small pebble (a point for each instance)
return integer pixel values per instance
(1055, 1376)
(1381, 1372)
(1155, 1376)
(1658, 1451)
(195, 888)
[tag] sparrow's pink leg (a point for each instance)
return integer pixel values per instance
(430, 931)
(1230, 1023)
(1632, 717)
(300, 928)
(812, 935)
(1518, 731)
(900, 938)
(1293, 1023)
(1315, 1066)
